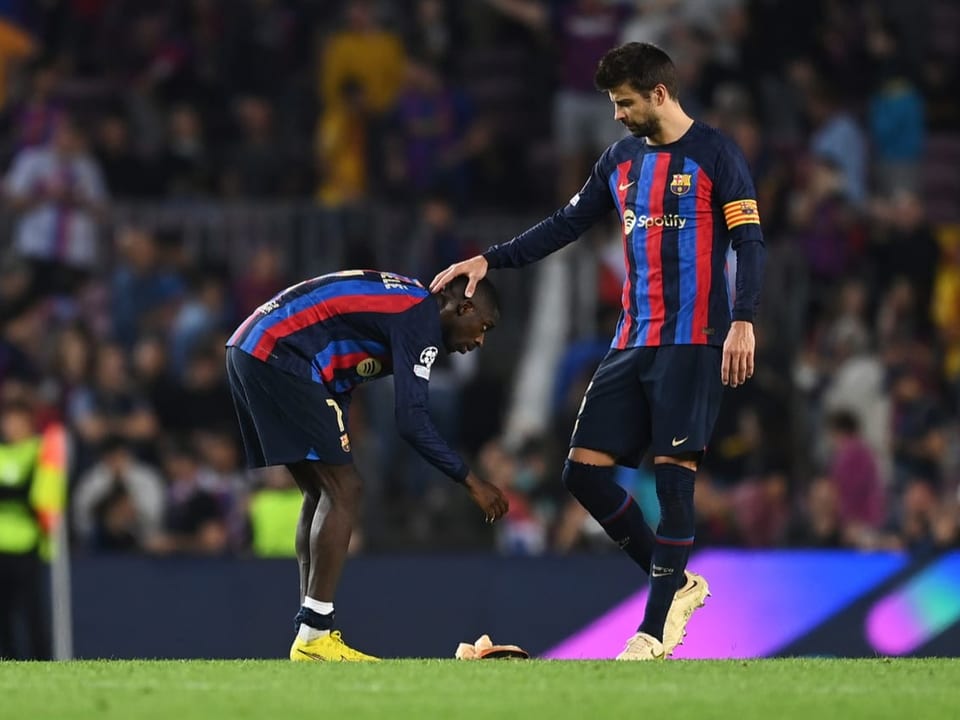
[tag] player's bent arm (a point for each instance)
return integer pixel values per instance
(416, 428)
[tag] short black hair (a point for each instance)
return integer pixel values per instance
(642, 65)
(484, 295)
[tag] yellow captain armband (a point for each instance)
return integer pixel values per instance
(741, 212)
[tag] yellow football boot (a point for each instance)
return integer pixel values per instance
(327, 648)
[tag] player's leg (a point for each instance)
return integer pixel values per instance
(286, 420)
(611, 428)
(302, 541)
(340, 493)
(674, 539)
(685, 392)
(338, 490)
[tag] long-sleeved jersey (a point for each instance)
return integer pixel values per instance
(682, 206)
(351, 327)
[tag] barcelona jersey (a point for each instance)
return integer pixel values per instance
(682, 206)
(351, 327)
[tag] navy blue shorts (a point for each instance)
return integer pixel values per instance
(284, 418)
(664, 398)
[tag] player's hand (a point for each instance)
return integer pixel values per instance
(737, 364)
(487, 497)
(475, 269)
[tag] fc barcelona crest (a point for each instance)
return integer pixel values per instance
(345, 442)
(680, 185)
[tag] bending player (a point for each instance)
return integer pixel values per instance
(291, 367)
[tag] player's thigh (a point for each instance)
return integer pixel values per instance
(340, 482)
(685, 391)
(614, 417)
(287, 418)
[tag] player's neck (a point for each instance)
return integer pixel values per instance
(673, 126)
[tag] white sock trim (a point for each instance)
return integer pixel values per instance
(307, 633)
(318, 606)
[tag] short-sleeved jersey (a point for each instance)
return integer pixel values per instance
(681, 206)
(351, 327)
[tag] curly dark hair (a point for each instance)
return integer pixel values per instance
(642, 65)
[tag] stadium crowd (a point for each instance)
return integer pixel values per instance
(437, 113)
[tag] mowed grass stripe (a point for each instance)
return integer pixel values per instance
(816, 689)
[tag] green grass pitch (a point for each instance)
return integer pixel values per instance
(819, 689)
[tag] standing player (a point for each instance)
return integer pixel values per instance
(684, 195)
(292, 365)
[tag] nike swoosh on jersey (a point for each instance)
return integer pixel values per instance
(621, 188)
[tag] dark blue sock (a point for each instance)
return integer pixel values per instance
(313, 619)
(613, 507)
(673, 543)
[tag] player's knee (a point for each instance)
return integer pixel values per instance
(591, 457)
(571, 479)
(690, 460)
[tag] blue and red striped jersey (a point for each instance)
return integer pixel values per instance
(351, 327)
(682, 206)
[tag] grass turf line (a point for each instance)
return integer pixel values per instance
(783, 689)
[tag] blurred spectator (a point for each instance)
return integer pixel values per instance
(201, 398)
(434, 135)
(946, 308)
(917, 432)
(219, 450)
(149, 291)
(364, 52)
(854, 471)
(341, 147)
(895, 114)
(825, 223)
(939, 77)
(186, 165)
(118, 504)
(126, 175)
(437, 240)
(20, 334)
(581, 117)
(256, 166)
(17, 43)
(33, 478)
(152, 376)
(761, 511)
(652, 22)
(193, 520)
(818, 524)
(524, 531)
(204, 311)
(111, 406)
(839, 141)
(73, 363)
(433, 35)
(261, 279)
(36, 118)
(59, 190)
(274, 511)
